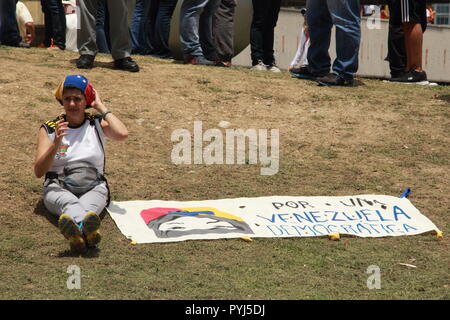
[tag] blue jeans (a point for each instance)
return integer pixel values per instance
(9, 32)
(196, 27)
(321, 16)
(142, 26)
(102, 28)
(162, 27)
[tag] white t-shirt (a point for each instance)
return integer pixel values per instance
(23, 16)
(81, 144)
(71, 27)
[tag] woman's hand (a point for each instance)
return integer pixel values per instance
(61, 130)
(98, 104)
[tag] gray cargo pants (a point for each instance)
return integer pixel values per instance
(118, 26)
(223, 29)
(58, 200)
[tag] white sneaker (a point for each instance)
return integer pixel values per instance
(273, 68)
(260, 66)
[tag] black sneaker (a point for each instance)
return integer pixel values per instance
(126, 64)
(304, 73)
(411, 76)
(85, 61)
(297, 69)
(333, 79)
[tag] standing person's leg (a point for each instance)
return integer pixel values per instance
(118, 26)
(396, 41)
(346, 17)
(189, 29)
(319, 22)
(58, 22)
(396, 50)
(223, 31)
(410, 13)
(9, 31)
(101, 23)
(48, 28)
(414, 11)
(162, 28)
(257, 29)
(135, 25)
(413, 43)
(206, 30)
(63, 24)
(86, 35)
(106, 27)
(120, 36)
(269, 33)
(148, 34)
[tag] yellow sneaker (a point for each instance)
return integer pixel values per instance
(71, 232)
(91, 224)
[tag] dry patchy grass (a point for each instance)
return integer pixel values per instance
(374, 138)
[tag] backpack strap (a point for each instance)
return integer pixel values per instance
(92, 120)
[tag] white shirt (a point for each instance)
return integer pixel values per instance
(23, 16)
(80, 144)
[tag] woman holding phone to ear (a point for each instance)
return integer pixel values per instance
(70, 154)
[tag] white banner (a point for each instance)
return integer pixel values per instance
(278, 216)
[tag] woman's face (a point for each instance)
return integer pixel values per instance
(74, 101)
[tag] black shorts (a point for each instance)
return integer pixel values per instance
(403, 11)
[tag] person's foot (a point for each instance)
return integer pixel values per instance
(85, 61)
(91, 224)
(297, 69)
(411, 76)
(273, 68)
(259, 66)
(333, 79)
(71, 231)
(126, 64)
(198, 60)
(304, 73)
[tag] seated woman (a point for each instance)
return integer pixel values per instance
(70, 153)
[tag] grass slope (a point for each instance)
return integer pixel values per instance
(374, 138)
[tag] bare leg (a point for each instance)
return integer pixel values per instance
(413, 43)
